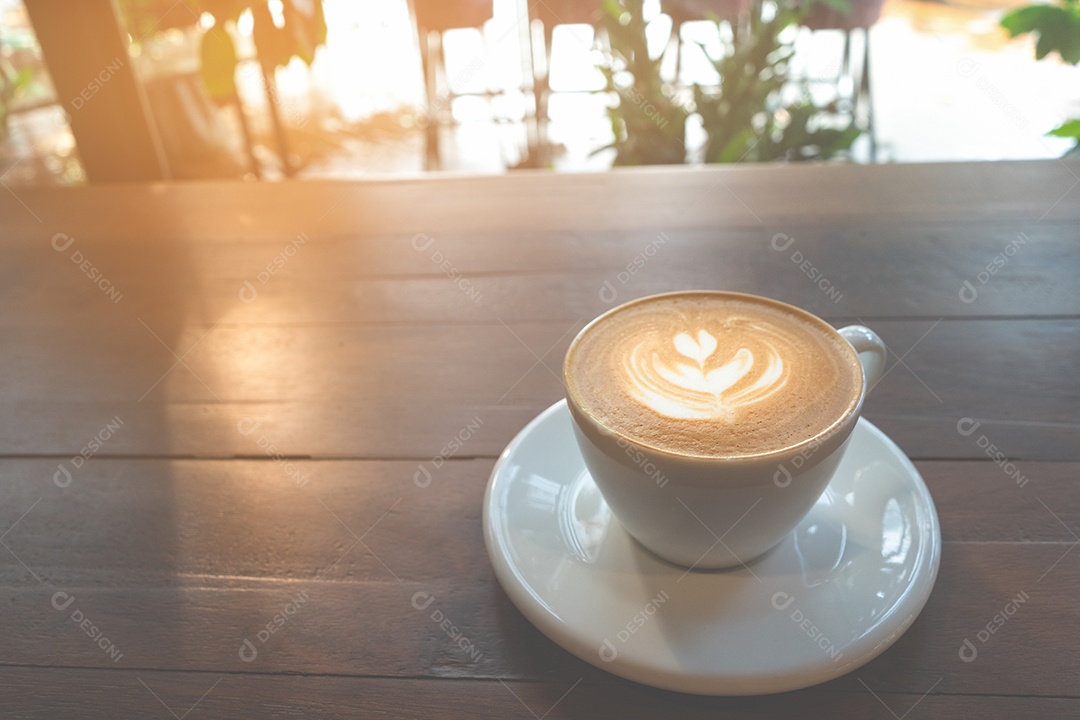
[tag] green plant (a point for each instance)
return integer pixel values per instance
(1057, 28)
(648, 124)
(745, 117)
(302, 31)
(12, 84)
(735, 115)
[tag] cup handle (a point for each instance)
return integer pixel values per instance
(872, 352)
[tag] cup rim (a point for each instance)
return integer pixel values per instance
(852, 410)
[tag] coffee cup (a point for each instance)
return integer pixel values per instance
(712, 422)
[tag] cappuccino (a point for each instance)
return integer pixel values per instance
(712, 374)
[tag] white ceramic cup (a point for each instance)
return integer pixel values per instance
(711, 513)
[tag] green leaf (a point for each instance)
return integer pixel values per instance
(843, 6)
(648, 126)
(1057, 28)
(1031, 18)
(739, 148)
(218, 59)
(1068, 129)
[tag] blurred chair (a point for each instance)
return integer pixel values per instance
(193, 133)
(433, 18)
(548, 14)
(861, 16)
(735, 12)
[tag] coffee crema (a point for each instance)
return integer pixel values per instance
(713, 374)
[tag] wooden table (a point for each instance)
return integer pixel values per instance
(265, 376)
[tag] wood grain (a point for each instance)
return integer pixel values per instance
(293, 395)
(133, 522)
(368, 392)
(841, 271)
(178, 562)
(96, 694)
(371, 628)
(1026, 192)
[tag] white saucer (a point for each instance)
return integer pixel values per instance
(843, 587)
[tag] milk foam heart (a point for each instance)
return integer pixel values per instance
(713, 374)
(707, 387)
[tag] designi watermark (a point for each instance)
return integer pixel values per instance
(781, 243)
(62, 601)
(248, 650)
(247, 426)
(609, 293)
(782, 601)
(422, 243)
(969, 293)
(968, 651)
(61, 242)
(641, 101)
(422, 601)
(782, 476)
(63, 476)
(423, 475)
(248, 292)
(967, 68)
(642, 461)
(608, 650)
(967, 426)
(97, 82)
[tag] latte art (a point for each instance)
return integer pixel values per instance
(706, 387)
(712, 374)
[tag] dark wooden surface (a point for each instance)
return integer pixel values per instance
(410, 313)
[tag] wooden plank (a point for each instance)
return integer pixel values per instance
(179, 562)
(95, 694)
(989, 595)
(840, 272)
(355, 391)
(132, 522)
(1027, 192)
